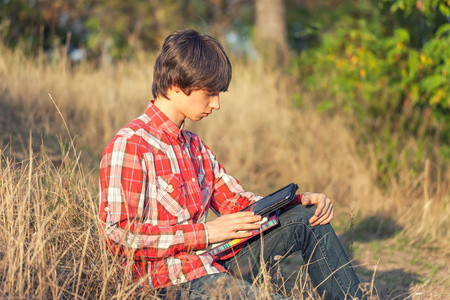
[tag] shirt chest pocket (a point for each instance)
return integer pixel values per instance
(170, 194)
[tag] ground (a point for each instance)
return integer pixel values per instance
(397, 269)
(404, 271)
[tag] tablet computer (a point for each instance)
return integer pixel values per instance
(273, 201)
(266, 207)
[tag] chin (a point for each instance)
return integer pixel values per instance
(195, 119)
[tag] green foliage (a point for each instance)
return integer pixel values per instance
(427, 7)
(373, 68)
(19, 24)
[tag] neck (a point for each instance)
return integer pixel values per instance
(167, 108)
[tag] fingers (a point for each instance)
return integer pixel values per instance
(330, 217)
(324, 212)
(321, 204)
(243, 226)
(236, 225)
(325, 217)
(306, 199)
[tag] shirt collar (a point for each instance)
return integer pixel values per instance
(163, 123)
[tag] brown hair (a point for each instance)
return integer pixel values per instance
(191, 61)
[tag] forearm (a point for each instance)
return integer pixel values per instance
(149, 242)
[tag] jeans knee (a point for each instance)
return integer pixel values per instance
(298, 213)
(299, 217)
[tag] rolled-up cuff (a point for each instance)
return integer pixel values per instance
(196, 237)
(298, 199)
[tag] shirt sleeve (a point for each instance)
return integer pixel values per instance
(127, 191)
(296, 201)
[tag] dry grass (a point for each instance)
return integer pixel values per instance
(49, 240)
(48, 225)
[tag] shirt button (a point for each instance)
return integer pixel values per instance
(193, 179)
(106, 208)
(170, 188)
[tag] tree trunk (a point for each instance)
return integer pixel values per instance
(270, 33)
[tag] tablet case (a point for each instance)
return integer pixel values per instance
(266, 206)
(274, 201)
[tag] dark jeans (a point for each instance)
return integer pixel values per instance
(327, 264)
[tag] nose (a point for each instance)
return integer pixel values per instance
(215, 102)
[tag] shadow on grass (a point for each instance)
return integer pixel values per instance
(377, 227)
(389, 284)
(394, 283)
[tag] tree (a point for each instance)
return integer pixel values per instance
(270, 32)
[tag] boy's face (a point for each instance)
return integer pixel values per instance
(197, 105)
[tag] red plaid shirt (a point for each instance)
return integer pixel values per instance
(157, 184)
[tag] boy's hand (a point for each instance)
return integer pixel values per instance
(227, 226)
(325, 210)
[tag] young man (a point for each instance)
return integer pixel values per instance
(158, 182)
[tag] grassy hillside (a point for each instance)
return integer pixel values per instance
(48, 190)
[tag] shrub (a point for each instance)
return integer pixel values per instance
(371, 66)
